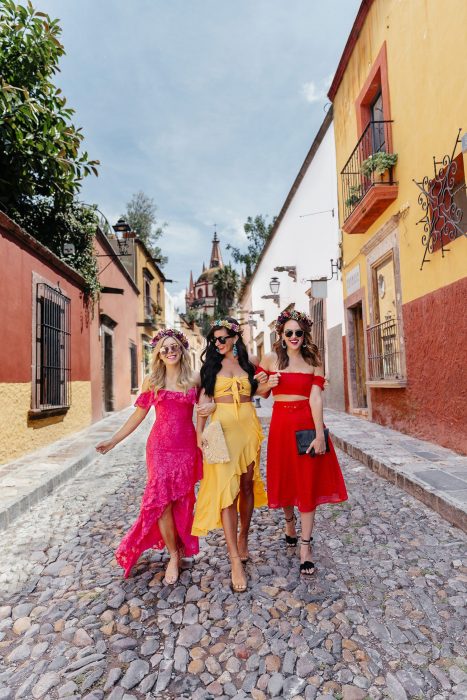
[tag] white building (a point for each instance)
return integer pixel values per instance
(304, 240)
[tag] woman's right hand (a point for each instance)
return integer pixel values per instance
(274, 380)
(261, 377)
(105, 446)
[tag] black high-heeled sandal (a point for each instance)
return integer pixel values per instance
(307, 568)
(291, 541)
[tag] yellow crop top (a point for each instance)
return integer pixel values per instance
(232, 386)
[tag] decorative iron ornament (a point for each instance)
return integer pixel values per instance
(442, 219)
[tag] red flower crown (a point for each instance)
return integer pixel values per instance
(285, 316)
(170, 333)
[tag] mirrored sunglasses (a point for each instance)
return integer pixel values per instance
(170, 349)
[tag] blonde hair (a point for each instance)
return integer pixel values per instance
(158, 371)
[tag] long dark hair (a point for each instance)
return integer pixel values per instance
(212, 360)
(308, 349)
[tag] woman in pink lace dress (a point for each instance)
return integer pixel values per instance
(174, 461)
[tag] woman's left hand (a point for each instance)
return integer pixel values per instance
(205, 409)
(318, 445)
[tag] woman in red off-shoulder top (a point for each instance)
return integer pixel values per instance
(294, 374)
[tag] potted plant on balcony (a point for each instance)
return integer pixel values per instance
(379, 163)
(355, 194)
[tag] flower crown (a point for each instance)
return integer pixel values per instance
(223, 323)
(170, 333)
(293, 316)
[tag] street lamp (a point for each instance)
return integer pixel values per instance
(124, 228)
(274, 285)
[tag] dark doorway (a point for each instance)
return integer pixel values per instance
(358, 367)
(108, 374)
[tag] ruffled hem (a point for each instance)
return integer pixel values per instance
(227, 495)
(145, 534)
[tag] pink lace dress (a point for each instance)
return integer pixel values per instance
(174, 465)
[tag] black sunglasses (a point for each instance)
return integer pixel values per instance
(289, 334)
(222, 340)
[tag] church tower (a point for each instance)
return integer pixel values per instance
(200, 295)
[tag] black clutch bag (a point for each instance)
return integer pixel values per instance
(305, 438)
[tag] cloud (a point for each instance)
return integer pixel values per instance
(313, 92)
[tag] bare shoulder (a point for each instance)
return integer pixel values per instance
(269, 362)
(319, 371)
(196, 379)
(146, 384)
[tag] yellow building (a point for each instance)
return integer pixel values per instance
(150, 281)
(400, 119)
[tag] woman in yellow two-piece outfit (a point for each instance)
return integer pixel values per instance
(227, 378)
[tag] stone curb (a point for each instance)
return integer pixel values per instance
(83, 444)
(416, 488)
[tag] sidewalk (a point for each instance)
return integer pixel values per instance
(28, 479)
(434, 475)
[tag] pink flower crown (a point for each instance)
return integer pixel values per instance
(170, 333)
(293, 316)
(223, 323)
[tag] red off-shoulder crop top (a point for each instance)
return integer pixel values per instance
(294, 383)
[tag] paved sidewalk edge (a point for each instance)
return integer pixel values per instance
(71, 467)
(449, 511)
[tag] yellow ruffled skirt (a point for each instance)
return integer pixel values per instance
(220, 484)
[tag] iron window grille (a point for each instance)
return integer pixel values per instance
(52, 381)
(384, 350)
(355, 184)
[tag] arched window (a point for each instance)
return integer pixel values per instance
(200, 293)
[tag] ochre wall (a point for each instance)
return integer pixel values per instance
(19, 435)
(434, 404)
(425, 42)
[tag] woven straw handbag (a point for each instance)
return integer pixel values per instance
(215, 449)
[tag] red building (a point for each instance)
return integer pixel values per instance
(45, 368)
(115, 360)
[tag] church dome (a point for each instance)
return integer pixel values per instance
(207, 275)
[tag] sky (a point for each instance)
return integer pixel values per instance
(208, 106)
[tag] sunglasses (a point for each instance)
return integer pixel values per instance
(170, 349)
(222, 340)
(289, 334)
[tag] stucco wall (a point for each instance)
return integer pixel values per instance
(19, 435)
(334, 394)
(428, 104)
(434, 404)
(122, 308)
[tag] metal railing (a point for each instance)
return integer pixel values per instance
(384, 352)
(52, 348)
(355, 183)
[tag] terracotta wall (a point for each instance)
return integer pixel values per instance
(122, 308)
(434, 404)
(19, 263)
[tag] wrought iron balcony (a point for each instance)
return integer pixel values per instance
(366, 193)
(384, 351)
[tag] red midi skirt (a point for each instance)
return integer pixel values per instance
(299, 480)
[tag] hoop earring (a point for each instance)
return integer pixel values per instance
(284, 344)
(304, 346)
(235, 351)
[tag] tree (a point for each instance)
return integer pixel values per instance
(141, 215)
(39, 145)
(257, 231)
(226, 283)
(41, 164)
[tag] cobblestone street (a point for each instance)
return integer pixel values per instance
(383, 617)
